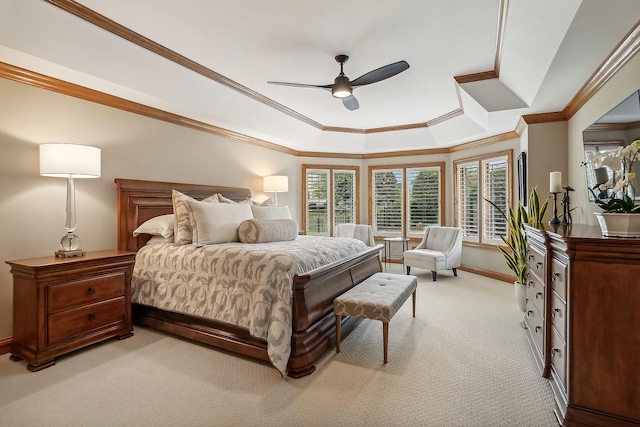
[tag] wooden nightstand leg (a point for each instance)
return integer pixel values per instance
(40, 366)
(15, 358)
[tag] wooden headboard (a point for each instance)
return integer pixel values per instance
(139, 201)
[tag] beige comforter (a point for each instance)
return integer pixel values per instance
(248, 285)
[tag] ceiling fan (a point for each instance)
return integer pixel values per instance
(343, 88)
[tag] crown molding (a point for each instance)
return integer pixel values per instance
(534, 119)
(623, 52)
(485, 141)
(41, 81)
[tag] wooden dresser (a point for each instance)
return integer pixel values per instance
(583, 322)
(62, 304)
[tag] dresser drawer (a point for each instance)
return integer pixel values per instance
(536, 262)
(535, 325)
(559, 358)
(83, 292)
(535, 293)
(559, 315)
(559, 278)
(68, 323)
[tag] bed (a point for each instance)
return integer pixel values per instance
(312, 321)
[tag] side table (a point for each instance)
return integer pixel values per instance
(387, 249)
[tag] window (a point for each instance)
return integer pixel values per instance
(330, 196)
(475, 180)
(405, 199)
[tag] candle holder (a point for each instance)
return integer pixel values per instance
(566, 205)
(554, 220)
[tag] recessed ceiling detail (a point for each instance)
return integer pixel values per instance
(164, 55)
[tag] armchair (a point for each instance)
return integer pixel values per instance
(440, 249)
(363, 232)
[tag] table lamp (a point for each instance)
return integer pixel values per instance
(69, 161)
(277, 184)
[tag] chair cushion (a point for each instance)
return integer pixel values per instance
(379, 297)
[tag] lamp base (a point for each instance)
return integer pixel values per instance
(68, 254)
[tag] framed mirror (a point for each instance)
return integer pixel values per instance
(617, 128)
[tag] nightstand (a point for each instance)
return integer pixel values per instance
(63, 304)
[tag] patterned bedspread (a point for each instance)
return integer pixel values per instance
(248, 285)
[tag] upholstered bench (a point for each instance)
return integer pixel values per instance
(379, 297)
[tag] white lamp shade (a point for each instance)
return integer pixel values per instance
(277, 183)
(69, 160)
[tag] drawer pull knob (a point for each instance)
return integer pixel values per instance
(554, 351)
(530, 283)
(531, 257)
(538, 294)
(538, 329)
(538, 265)
(554, 276)
(91, 317)
(529, 313)
(555, 311)
(91, 291)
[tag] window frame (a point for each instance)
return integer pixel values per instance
(480, 161)
(331, 170)
(405, 197)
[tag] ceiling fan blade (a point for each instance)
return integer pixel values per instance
(351, 103)
(380, 74)
(300, 85)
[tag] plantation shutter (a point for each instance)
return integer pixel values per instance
(468, 200)
(344, 190)
(387, 201)
(423, 201)
(316, 203)
(495, 188)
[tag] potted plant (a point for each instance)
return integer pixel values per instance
(516, 240)
(619, 216)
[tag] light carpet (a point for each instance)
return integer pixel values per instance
(463, 360)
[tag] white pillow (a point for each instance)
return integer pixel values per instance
(216, 222)
(158, 226)
(160, 239)
(271, 212)
(267, 230)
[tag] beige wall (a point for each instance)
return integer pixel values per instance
(136, 147)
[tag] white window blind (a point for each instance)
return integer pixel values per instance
(468, 199)
(387, 201)
(344, 189)
(495, 189)
(317, 198)
(423, 201)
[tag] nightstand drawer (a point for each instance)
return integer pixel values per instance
(83, 292)
(73, 322)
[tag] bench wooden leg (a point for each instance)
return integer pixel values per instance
(413, 296)
(338, 333)
(385, 338)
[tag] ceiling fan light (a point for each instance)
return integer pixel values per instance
(341, 87)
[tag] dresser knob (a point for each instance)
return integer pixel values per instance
(538, 294)
(91, 317)
(554, 351)
(555, 311)
(529, 313)
(530, 283)
(91, 291)
(538, 329)
(538, 265)
(554, 276)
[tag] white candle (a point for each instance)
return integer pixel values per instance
(555, 182)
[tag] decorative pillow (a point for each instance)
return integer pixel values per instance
(267, 230)
(267, 202)
(182, 227)
(216, 222)
(271, 212)
(160, 239)
(223, 199)
(158, 226)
